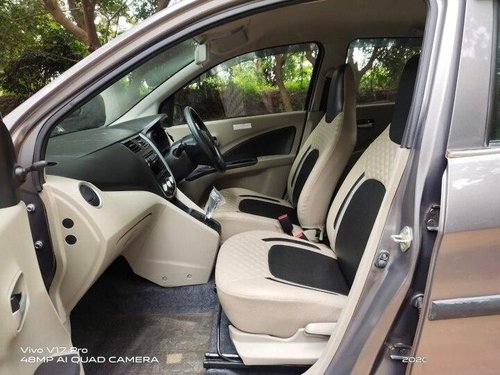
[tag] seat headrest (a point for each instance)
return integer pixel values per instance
(335, 103)
(403, 100)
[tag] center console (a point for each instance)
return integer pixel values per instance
(144, 147)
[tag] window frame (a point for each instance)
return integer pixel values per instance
(169, 101)
(494, 83)
(471, 123)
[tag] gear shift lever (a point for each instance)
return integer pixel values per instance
(215, 200)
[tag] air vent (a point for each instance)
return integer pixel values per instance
(142, 143)
(90, 195)
(132, 146)
(137, 144)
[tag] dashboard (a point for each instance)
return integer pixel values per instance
(115, 169)
(126, 156)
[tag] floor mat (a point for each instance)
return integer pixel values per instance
(177, 342)
(124, 316)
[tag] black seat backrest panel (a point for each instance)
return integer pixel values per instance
(403, 100)
(356, 225)
(304, 170)
(341, 208)
(335, 103)
(307, 268)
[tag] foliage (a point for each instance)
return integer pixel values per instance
(116, 16)
(378, 64)
(40, 63)
(34, 48)
(249, 85)
(22, 24)
(95, 22)
(40, 39)
(258, 75)
(37, 46)
(144, 9)
(8, 103)
(45, 37)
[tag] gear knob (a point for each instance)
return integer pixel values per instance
(215, 199)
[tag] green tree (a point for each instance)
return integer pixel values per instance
(39, 64)
(22, 24)
(42, 38)
(377, 65)
(287, 70)
(94, 22)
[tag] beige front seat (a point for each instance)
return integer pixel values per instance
(313, 176)
(274, 284)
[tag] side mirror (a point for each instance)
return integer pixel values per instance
(91, 115)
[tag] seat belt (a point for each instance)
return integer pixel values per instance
(301, 235)
(287, 227)
(286, 224)
(313, 234)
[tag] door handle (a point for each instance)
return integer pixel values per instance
(365, 123)
(19, 300)
(15, 302)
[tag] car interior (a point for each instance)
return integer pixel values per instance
(296, 116)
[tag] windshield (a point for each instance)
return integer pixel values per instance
(116, 100)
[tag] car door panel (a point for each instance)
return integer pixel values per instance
(458, 327)
(29, 320)
(234, 131)
(268, 178)
(272, 139)
(31, 332)
(465, 273)
(274, 142)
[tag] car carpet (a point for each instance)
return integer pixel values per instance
(124, 315)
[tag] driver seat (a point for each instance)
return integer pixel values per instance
(312, 178)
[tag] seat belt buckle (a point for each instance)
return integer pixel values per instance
(286, 224)
(302, 236)
(313, 234)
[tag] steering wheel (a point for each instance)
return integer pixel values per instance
(204, 139)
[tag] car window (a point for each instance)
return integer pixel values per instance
(495, 117)
(377, 65)
(116, 100)
(272, 80)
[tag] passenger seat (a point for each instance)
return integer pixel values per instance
(273, 284)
